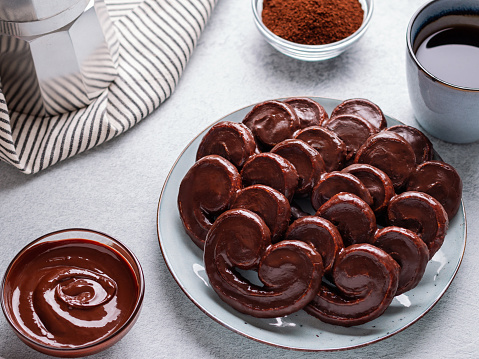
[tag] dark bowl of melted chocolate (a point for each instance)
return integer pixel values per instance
(312, 30)
(73, 292)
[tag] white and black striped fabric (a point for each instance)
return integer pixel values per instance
(156, 39)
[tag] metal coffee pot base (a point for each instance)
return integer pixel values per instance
(59, 63)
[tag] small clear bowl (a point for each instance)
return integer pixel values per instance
(105, 244)
(311, 52)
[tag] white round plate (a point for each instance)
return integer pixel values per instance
(298, 331)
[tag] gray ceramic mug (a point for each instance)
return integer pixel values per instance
(445, 110)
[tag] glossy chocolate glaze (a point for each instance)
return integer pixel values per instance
(71, 293)
(208, 189)
(271, 170)
(272, 206)
(306, 160)
(319, 233)
(231, 140)
(362, 108)
(290, 270)
(441, 181)
(376, 181)
(331, 148)
(390, 153)
(352, 216)
(353, 130)
(422, 214)
(309, 112)
(408, 250)
(271, 122)
(365, 278)
(421, 145)
(335, 182)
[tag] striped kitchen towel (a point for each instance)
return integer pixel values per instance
(156, 39)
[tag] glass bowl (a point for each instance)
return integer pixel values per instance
(311, 52)
(104, 276)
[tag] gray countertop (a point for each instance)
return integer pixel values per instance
(115, 188)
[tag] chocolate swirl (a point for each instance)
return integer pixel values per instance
(72, 293)
(352, 216)
(271, 170)
(422, 214)
(365, 278)
(353, 130)
(272, 206)
(321, 234)
(390, 153)
(291, 271)
(441, 181)
(406, 248)
(309, 112)
(208, 189)
(271, 122)
(336, 182)
(231, 140)
(331, 148)
(306, 160)
(363, 108)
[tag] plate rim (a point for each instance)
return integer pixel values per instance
(230, 327)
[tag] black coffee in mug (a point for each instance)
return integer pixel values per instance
(449, 49)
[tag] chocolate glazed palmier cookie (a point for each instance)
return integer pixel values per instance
(422, 214)
(441, 181)
(208, 189)
(365, 283)
(231, 140)
(376, 181)
(305, 159)
(406, 248)
(272, 206)
(321, 234)
(271, 170)
(331, 148)
(291, 271)
(271, 122)
(420, 144)
(335, 182)
(309, 112)
(352, 216)
(353, 130)
(390, 153)
(362, 108)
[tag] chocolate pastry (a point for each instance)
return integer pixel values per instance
(364, 109)
(271, 170)
(207, 190)
(441, 181)
(291, 271)
(271, 205)
(335, 182)
(353, 130)
(390, 153)
(309, 112)
(422, 214)
(231, 140)
(331, 148)
(376, 181)
(365, 278)
(352, 216)
(420, 144)
(408, 250)
(321, 234)
(271, 122)
(305, 159)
